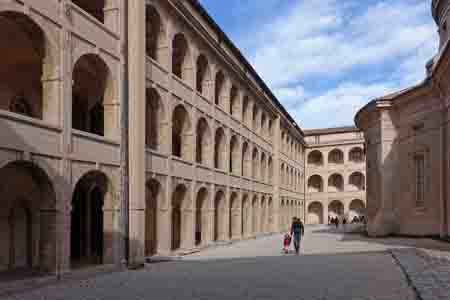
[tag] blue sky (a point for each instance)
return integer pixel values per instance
(325, 59)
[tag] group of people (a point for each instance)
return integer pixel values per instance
(336, 221)
(296, 233)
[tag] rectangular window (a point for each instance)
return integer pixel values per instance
(419, 161)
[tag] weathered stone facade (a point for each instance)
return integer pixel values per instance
(335, 172)
(407, 142)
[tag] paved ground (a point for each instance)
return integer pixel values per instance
(333, 266)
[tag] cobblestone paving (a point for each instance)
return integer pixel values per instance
(428, 270)
(333, 265)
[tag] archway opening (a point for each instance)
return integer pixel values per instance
(26, 236)
(234, 102)
(335, 183)
(181, 127)
(201, 216)
(356, 155)
(336, 157)
(203, 151)
(93, 7)
(246, 162)
(220, 89)
(357, 181)
(263, 213)
(336, 209)
(315, 158)
(233, 229)
(22, 67)
(87, 220)
(220, 150)
(255, 212)
(245, 110)
(92, 88)
(315, 184)
(219, 216)
(255, 163)
(181, 66)
(234, 155)
(245, 216)
(153, 194)
(178, 202)
(156, 47)
(154, 120)
(357, 209)
(203, 75)
(315, 213)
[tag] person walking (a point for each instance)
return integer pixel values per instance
(297, 231)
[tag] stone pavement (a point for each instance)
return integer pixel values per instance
(333, 265)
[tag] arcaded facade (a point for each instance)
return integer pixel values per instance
(213, 156)
(407, 145)
(336, 174)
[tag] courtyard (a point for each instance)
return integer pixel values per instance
(333, 265)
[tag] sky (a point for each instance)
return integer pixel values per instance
(325, 59)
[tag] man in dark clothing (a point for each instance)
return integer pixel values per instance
(297, 231)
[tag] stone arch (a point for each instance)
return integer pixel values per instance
(263, 167)
(336, 156)
(335, 183)
(153, 200)
(93, 96)
(202, 226)
(357, 181)
(29, 64)
(220, 90)
(204, 143)
(181, 133)
(179, 216)
(234, 155)
(220, 149)
(315, 184)
(255, 163)
(270, 169)
(245, 216)
(255, 213)
(315, 158)
(203, 75)
(356, 209)
(245, 110)
(154, 120)
(270, 127)
(181, 58)
(27, 218)
(246, 161)
(336, 208)
(234, 216)
(263, 124)
(94, 7)
(234, 101)
(356, 155)
(92, 219)
(219, 216)
(283, 174)
(156, 39)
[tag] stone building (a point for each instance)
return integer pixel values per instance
(335, 172)
(407, 144)
(213, 154)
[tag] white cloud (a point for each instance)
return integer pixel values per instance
(329, 40)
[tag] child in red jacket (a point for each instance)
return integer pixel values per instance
(286, 242)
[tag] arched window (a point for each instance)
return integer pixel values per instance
(93, 7)
(255, 117)
(263, 124)
(92, 87)
(336, 157)
(181, 127)
(245, 104)
(153, 120)
(263, 167)
(203, 75)
(270, 167)
(246, 160)
(356, 155)
(315, 184)
(181, 66)
(204, 143)
(357, 181)
(220, 156)
(270, 125)
(335, 183)
(315, 158)
(234, 102)
(219, 95)
(155, 35)
(283, 174)
(335, 208)
(234, 155)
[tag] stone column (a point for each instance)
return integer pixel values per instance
(137, 70)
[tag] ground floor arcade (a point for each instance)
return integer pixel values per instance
(319, 212)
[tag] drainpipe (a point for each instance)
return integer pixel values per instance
(124, 149)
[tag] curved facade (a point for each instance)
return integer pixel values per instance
(407, 150)
(335, 170)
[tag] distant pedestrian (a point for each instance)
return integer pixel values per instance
(344, 223)
(297, 231)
